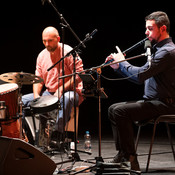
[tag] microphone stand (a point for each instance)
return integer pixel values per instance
(75, 156)
(100, 166)
(64, 24)
(104, 65)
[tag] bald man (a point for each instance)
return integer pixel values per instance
(46, 58)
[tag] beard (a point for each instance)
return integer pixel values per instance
(155, 40)
(51, 49)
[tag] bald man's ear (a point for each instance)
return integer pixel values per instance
(58, 38)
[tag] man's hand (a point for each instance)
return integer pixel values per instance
(117, 57)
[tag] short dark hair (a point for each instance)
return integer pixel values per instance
(161, 18)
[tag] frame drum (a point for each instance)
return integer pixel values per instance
(44, 104)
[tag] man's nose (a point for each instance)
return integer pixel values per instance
(147, 33)
(46, 43)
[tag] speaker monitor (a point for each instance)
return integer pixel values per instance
(21, 158)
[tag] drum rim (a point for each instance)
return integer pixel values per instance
(44, 109)
(8, 90)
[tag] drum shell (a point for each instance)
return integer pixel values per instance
(11, 128)
(2, 110)
(9, 94)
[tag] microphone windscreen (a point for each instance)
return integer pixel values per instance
(147, 44)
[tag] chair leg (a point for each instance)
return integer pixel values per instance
(170, 139)
(137, 138)
(151, 145)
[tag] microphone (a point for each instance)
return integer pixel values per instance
(93, 33)
(135, 46)
(89, 36)
(147, 47)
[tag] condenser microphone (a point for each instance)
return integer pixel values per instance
(147, 47)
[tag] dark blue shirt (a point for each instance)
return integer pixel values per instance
(159, 79)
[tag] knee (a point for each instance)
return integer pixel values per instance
(111, 112)
(115, 111)
(69, 97)
(26, 99)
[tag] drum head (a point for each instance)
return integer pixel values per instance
(44, 104)
(8, 87)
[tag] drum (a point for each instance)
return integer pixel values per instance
(47, 108)
(44, 104)
(2, 110)
(9, 94)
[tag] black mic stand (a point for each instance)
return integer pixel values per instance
(64, 24)
(75, 156)
(100, 166)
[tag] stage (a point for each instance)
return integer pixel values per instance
(160, 164)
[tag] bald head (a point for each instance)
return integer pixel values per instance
(50, 37)
(50, 30)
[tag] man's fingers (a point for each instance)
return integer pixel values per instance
(118, 49)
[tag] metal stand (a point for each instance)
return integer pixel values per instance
(75, 156)
(100, 167)
(64, 24)
(99, 90)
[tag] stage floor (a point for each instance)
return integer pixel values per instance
(160, 164)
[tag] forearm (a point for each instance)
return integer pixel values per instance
(68, 85)
(37, 88)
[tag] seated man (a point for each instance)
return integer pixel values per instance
(159, 89)
(47, 57)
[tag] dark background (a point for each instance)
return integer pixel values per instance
(118, 23)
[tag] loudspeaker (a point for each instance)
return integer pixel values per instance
(21, 158)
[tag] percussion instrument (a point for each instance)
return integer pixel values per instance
(9, 94)
(2, 110)
(44, 104)
(20, 78)
(47, 108)
(9, 110)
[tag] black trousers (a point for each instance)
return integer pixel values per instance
(122, 115)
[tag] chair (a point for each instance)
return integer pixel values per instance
(167, 119)
(70, 124)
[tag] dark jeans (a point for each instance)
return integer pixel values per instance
(122, 115)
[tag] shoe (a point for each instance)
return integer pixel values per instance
(134, 163)
(122, 158)
(117, 158)
(55, 144)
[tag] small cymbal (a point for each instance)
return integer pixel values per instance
(20, 78)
